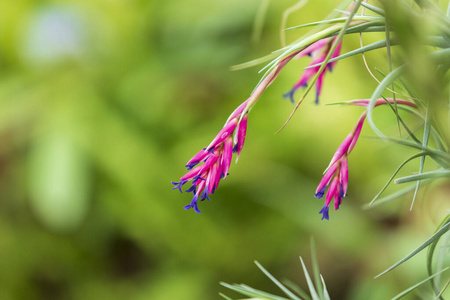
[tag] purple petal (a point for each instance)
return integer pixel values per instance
(324, 212)
(178, 185)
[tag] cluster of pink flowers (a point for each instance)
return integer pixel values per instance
(216, 159)
(336, 175)
(211, 164)
(318, 51)
(217, 156)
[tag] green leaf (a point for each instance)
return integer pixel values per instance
(430, 254)
(425, 175)
(337, 20)
(388, 80)
(442, 291)
(442, 158)
(251, 292)
(225, 296)
(395, 173)
(312, 290)
(444, 229)
(316, 271)
(405, 292)
(391, 197)
(279, 284)
(325, 292)
(296, 289)
(426, 136)
(375, 9)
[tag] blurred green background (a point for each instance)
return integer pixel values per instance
(103, 102)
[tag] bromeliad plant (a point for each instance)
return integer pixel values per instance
(418, 83)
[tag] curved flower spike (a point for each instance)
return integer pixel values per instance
(216, 159)
(217, 156)
(336, 175)
(337, 172)
(319, 51)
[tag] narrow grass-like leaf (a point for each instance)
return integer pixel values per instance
(439, 296)
(405, 292)
(304, 295)
(360, 28)
(384, 75)
(439, 57)
(388, 80)
(410, 133)
(279, 284)
(325, 291)
(375, 9)
(426, 136)
(251, 292)
(442, 158)
(367, 48)
(225, 296)
(390, 197)
(316, 271)
(425, 175)
(444, 229)
(257, 61)
(312, 290)
(395, 173)
(259, 21)
(430, 254)
(337, 20)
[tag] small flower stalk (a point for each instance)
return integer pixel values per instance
(318, 51)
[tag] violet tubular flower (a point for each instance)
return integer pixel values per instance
(318, 51)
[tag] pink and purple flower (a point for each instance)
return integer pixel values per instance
(336, 175)
(318, 51)
(215, 159)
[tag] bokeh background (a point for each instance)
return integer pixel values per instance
(103, 102)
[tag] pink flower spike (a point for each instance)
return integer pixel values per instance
(239, 136)
(238, 111)
(223, 134)
(313, 48)
(331, 190)
(325, 181)
(319, 86)
(192, 173)
(306, 76)
(338, 196)
(339, 168)
(212, 178)
(227, 155)
(196, 159)
(335, 54)
(344, 175)
(357, 132)
(342, 148)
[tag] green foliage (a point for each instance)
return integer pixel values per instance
(317, 289)
(421, 71)
(96, 119)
